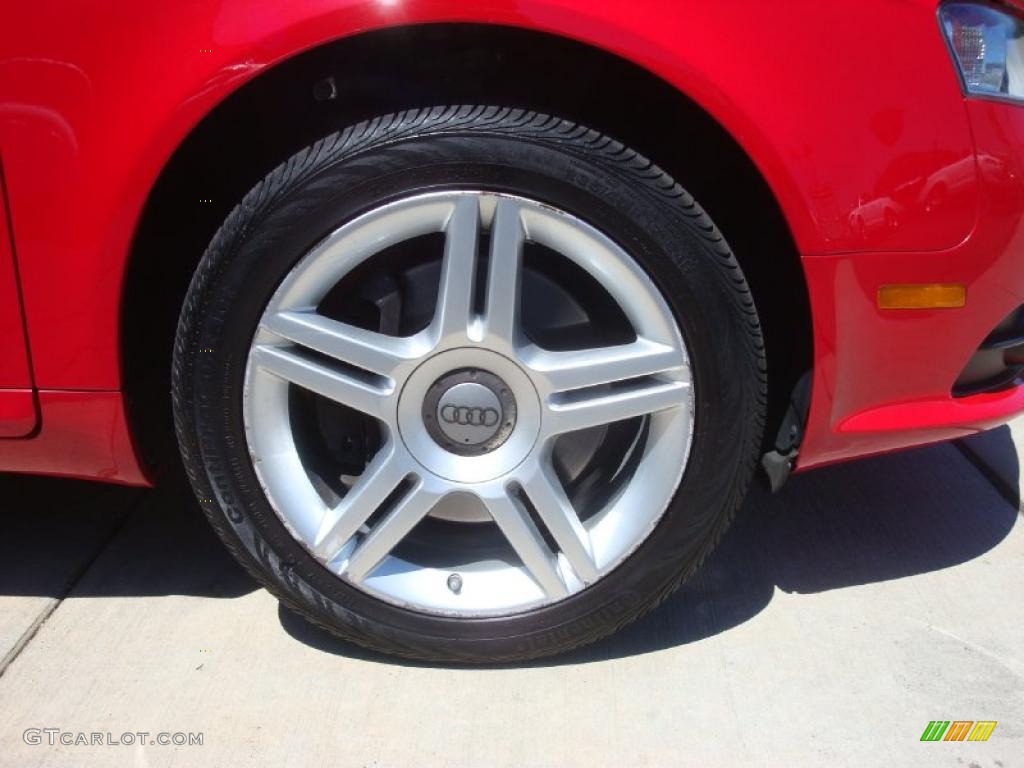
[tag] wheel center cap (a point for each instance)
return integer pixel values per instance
(436, 435)
(469, 412)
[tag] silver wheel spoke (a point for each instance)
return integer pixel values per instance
(504, 275)
(373, 352)
(458, 269)
(602, 365)
(316, 377)
(554, 508)
(607, 407)
(523, 536)
(386, 534)
(380, 478)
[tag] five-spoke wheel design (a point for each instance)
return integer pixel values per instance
(466, 504)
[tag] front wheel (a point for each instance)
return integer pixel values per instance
(469, 384)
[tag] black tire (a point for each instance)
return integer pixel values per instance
(568, 165)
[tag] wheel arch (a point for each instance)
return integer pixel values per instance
(289, 105)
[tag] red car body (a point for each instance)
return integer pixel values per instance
(851, 111)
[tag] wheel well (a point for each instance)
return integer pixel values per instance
(325, 89)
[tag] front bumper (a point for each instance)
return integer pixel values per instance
(884, 379)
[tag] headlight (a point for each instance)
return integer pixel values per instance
(988, 45)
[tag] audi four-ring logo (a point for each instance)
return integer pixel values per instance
(469, 416)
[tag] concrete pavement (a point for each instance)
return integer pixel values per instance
(837, 619)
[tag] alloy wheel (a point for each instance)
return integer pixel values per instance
(462, 506)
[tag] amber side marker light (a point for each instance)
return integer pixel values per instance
(931, 296)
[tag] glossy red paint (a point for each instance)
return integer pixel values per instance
(17, 401)
(83, 434)
(17, 412)
(851, 110)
